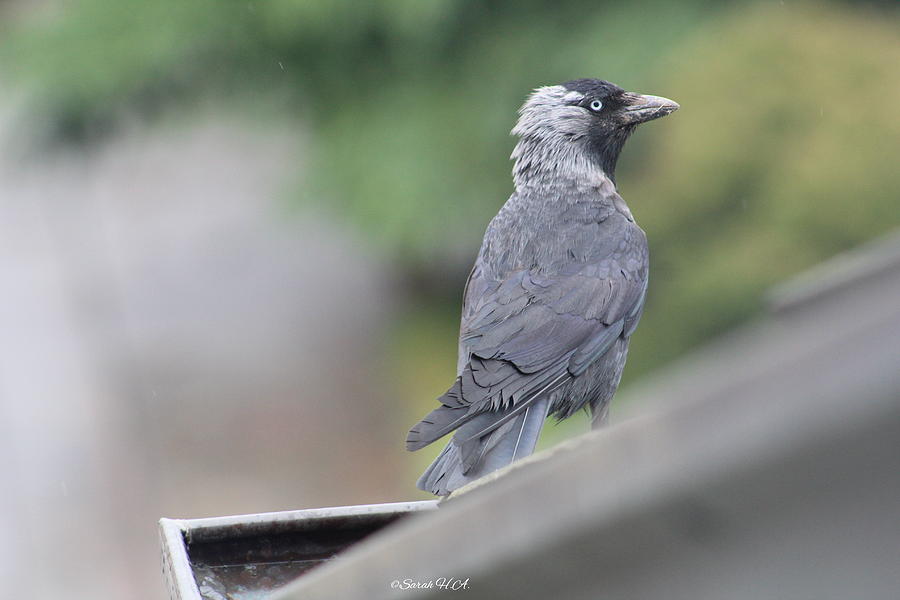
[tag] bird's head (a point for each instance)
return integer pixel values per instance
(573, 129)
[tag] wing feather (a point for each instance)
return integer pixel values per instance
(528, 332)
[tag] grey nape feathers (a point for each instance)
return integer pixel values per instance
(556, 291)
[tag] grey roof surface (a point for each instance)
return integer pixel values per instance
(763, 466)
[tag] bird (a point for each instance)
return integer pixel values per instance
(557, 288)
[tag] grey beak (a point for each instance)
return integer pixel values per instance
(646, 108)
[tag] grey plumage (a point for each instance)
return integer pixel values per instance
(556, 291)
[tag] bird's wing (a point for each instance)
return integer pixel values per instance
(535, 322)
(528, 333)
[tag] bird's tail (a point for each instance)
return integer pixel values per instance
(465, 458)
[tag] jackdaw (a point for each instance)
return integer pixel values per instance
(556, 291)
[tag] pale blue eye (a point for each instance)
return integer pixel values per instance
(596, 105)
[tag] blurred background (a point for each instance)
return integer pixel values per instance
(233, 235)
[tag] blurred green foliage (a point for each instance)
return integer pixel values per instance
(784, 151)
(411, 102)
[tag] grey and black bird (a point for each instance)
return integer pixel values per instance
(556, 291)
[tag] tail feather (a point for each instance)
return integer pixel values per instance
(452, 413)
(436, 424)
(482, 399)
(473, 428)
(458, 465)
